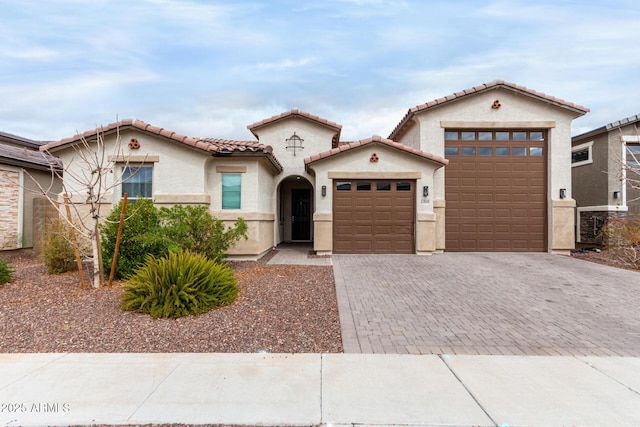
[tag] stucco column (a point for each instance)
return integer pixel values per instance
(563, 226)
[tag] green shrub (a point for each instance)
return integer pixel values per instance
(58, 253)
(177, 285)
(141, 236)
(6, 272)
(622, 237)
(193, 228)
(151, 231)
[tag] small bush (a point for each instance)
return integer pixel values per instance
(140, 237)
(179, 284)
(58, 254)
(6, 272)
(193, 228)
(622, 237)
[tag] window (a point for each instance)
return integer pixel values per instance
(343, 186)
(451, 136)
(403, 186)
(633, 156)
(519, 151)
(485, 136)
(450, 151)
(231, 190)
(582, 154)
(485, 151)
(468, 151)
(363, 186)
(137, 182)
(536, 151)
(383, 186)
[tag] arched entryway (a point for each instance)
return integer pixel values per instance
(295, 209)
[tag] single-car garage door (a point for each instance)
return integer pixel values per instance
(373, 216)
(495, 191)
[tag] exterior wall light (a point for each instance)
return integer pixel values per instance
(563, 193)
(425, 191)
(616, 194)
(324, 190)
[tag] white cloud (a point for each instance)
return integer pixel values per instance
(285, 64)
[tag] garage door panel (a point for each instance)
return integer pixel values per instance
(374, 221)
(496, 203)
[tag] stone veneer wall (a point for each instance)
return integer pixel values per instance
(591, 223)
(9, 209)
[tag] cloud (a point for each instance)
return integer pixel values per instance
(285, 64)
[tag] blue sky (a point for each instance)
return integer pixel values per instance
(210, 68)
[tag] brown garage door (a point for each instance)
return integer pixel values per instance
(495, 189)
(373, 216)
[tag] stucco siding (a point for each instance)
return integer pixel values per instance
(591, 180)
(517, 111)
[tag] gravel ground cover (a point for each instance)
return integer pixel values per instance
(279, 309)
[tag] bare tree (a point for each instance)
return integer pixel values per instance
(87, 179)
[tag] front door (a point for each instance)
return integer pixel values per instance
(300, 214)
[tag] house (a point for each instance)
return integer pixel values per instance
(605, 171)
(486, 169)
(23, 171)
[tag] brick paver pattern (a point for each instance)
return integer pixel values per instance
(487, 303)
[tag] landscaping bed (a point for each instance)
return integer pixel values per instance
(279, 309)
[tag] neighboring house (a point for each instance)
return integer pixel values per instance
(487, 169)
(22, 207)
(604, 168)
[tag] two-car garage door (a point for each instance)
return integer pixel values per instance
(495, 189)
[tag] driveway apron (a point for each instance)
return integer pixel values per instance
(486, 303)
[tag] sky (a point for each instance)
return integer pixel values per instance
(210, 68)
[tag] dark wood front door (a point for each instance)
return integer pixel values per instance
(301, 214)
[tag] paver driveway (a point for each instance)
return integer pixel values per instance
(486, 303)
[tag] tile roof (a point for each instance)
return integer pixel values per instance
(298, 113)
(374, 140)
(210, 145)
(623, 122)
(19, 140)
(127, 123)
(406, 120)
(609, 127)
(27, 157)
(228, 146)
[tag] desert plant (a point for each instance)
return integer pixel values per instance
(193, 228)
(58, 253)
(141, 236)
(179, 284)
(6, 272)
(622, 237)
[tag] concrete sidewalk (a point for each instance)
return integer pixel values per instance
(309, 389)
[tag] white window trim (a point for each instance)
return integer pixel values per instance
(586, 146)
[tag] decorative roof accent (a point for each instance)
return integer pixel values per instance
(301, 114)
(497, 84)
(375, 140)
